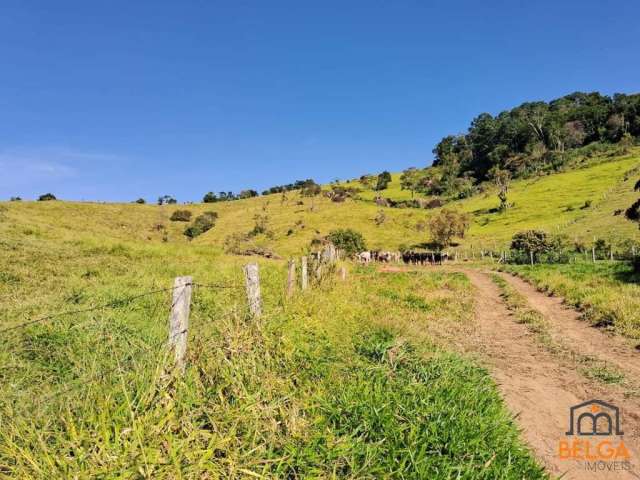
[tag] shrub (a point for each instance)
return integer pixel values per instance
(140, 201)
(347, 240)
(201, 224)
(383, 181)
(15, 199)
(446, 225)
(166, 200)
(47, 197)
(545, 248)
(181, 216)
(261, 226)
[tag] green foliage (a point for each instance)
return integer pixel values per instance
(347, 240)
(247, 194)
(209, 197)
(545, 248)
(47, 197)
(141, 201)
(166, 200)
(202, 223)
(15, 199)
(448, 224)
(536, 136)
(309, 188)
(181, 216)
(383, 181)
(261, 224)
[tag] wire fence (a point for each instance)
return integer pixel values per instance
(154, 347)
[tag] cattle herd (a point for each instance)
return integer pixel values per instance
(410, 257)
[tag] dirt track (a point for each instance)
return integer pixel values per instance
(539, 386)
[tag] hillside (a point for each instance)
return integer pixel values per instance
(580, 203)
(287, 396)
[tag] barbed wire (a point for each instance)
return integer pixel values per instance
(114, 303)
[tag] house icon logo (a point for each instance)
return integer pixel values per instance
(594, 417)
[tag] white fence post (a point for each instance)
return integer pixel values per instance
(304, 282)
(291, 277)
(252, 282)
(179, 320)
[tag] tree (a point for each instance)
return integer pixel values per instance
(310, 189)
(531, 242)
(47, 197)
(383, 181)
(502, 179)
(209, 197)
(140, 201)
(15, 199)
(633, 212)
(248, 193)
(166, 200)
(347, 240)
(411, 179)
(447, 225)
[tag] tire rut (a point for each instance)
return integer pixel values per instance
(539, 388)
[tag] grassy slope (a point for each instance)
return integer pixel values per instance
(297, 389)
(324, 387)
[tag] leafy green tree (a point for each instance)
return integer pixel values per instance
(411, 179)
(347, 240)
(383, 181)
(166, 200)
(47, 197)
(447, 225)
(530, 242)
(209, 197)
(141, 201)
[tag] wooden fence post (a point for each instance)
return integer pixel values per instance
(531, 256)
(179, 320)
(252, 282)
(343, 273)
(593, 253)
(291, 277)
(305, 274)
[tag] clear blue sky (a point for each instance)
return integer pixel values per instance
(120, 99)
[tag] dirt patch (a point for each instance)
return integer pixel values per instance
(540, 388)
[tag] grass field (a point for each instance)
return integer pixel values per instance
(349, 380)
(607, 292)
(324, 386)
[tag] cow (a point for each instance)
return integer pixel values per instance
(364, 257)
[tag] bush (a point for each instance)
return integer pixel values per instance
(47, 197)
(15, 199)
(347, 240)
(140, 201)
(545, 249)
(181, 216)
(202, 223)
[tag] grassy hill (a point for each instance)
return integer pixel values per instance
(90, 394)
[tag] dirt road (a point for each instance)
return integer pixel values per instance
(540, 387)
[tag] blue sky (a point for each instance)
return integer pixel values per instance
(117, 100)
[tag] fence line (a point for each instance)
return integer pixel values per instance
(179, 311)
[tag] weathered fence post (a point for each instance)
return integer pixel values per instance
(291, 277)
(343, 273)
(304, 283)
(531, 256)
(252, 282)
(611, 254)
(593, 253)
(179, 320)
